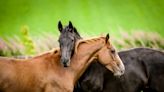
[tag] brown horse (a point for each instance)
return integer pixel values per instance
(44, 73)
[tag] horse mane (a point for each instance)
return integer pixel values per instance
(88, 41)
(47, 53)
(76, 32)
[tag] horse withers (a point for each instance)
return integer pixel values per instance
(68, 37)
(44, 73)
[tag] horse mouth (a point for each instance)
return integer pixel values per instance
(118, 74)
(117, 71)
(65, 63)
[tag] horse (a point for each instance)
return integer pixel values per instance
(144, 71)
(44, 73)
(67, 35)
(134, 79)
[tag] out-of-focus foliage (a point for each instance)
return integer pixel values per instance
(10, 47)
(17, 46)
(140, 39)
(91, 17)
(29, 47)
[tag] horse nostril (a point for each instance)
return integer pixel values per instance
(64, 62)
(118, 64)
(65, 65)
(122, 71)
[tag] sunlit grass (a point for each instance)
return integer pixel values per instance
(15, 46)
(140, 39)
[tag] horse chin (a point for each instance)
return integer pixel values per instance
(116, 72)
(109, 68)
(66, 64)
(119, 72)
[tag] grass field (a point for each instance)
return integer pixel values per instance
(91, 17)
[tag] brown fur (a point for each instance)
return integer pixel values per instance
(44, 73)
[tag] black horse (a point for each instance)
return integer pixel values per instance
(68, 37)
(144, 71)
(144, 68)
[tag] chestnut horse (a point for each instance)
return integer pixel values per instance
(44, 73)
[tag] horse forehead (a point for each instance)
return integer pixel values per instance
(66, 29)
(66, 37)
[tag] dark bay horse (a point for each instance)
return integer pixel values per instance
(144, 71)
(135, 79)
(44, 73)
(68, 35)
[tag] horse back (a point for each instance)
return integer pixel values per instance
(19, 75)
(154, 62)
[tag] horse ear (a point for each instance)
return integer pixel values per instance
(75, 30)
(60, 26)
(70, 25)
(107, 38)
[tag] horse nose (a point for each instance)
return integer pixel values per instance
(122, 71)
(122, 68)
(65, 62)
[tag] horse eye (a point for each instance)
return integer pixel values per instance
(113, 51)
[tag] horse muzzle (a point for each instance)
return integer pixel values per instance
(116, 70)
(65, 62)
(120, 70)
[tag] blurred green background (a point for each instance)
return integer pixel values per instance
(121, 18)
(91, 17)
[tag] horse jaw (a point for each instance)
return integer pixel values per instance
(118, 71)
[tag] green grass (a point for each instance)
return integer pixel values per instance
(26, 46)
(91, 17)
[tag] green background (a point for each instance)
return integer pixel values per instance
(90, 17)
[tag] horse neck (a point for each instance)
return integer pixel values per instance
(83, 57)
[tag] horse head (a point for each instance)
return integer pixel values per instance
(67, 39)
(101, 49)
(109, 57)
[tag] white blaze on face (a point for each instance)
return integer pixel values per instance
(117, 69)
(121, 68)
